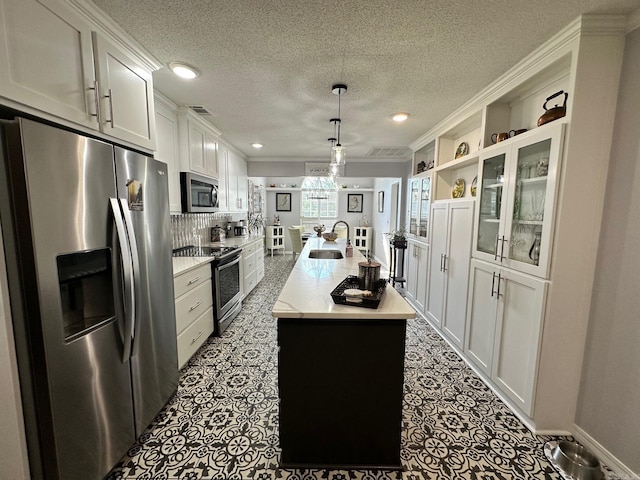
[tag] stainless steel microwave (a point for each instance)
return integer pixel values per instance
(199, 194)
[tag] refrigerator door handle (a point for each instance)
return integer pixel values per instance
(133, 248)
(129, 295)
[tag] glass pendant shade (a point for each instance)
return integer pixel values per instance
(338, 155)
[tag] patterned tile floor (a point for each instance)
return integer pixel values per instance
(223, 421)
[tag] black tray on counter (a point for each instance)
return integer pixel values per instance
(352, 281)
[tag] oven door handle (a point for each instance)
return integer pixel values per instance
(226, 264)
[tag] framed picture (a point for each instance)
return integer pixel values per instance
(354, 203)
(283, 202)
(381, 201)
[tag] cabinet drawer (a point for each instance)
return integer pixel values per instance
(249, 248)
(249, 262)
(259, 255)
(259, 272)
(249, 282)
(191, 279)
(194, 336)
(190, 306)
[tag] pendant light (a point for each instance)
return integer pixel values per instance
(338, 151)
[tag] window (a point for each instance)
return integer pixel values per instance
(319, 198)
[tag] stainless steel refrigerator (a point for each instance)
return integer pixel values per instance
(87, 246)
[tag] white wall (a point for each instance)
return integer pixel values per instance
(609, 400)
(382, 221)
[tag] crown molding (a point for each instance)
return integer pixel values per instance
(594, 25)
(559, 45)
(633, 22)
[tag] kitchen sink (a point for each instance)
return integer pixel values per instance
(331, 254)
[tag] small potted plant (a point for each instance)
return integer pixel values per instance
(398, 237)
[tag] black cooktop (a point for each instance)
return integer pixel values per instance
(193, 251)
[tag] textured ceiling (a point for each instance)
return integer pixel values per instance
(268, 65)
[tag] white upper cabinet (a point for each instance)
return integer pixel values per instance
(198, 144)
(54, 63)
(223, 192)
(167, 148)
(419, 206)
(46, 59)
(237, 183)
(517, 189)
(125, 94)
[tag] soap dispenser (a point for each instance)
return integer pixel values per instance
(349, 250)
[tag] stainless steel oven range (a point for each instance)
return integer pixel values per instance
(225, 272)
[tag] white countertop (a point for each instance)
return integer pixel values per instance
(184, 264)
(307, 293)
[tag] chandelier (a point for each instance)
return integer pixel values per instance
(337, 150)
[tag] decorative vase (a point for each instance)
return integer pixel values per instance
(534, 251)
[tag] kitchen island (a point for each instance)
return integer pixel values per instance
(340, 370)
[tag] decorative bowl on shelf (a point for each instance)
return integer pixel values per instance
(330, 236)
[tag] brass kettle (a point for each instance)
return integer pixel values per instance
(556, 112)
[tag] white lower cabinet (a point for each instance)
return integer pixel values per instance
(504, 324)
(449, 258)
(417, 259)
(194, 310)
(252, 266)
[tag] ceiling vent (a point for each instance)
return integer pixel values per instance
(389, 152)
(200, 110)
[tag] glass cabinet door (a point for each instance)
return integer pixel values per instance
(532, 201)
(414, 207)
(425, 199)
(492, 182)
(532, 165)
(518, 186)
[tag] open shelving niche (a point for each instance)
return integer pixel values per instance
(502, 108)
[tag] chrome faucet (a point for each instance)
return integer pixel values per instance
(346, 224)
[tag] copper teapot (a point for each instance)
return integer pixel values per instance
(556, 112)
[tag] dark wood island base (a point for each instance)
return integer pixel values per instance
(341, 384)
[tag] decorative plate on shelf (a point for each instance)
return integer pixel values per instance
(474, 186)
(462, 150)
(458, 189)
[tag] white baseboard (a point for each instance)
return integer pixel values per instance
(604, 455)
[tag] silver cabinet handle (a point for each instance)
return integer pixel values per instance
(195, 339)
(110, 97)
(96, 100)
(194, 280)
(444, 262)
(502, 248)
(493, 283)
(495, 255)
(498, 292)
(193, 307)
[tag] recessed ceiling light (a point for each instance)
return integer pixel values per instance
(399, 117)
(183, 70)
(257, 145)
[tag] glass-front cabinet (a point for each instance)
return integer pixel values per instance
(420, 204)
(518, 186)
